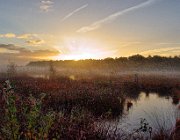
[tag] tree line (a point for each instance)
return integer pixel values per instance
(135, 62)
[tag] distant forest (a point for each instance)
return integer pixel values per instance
(135, 62)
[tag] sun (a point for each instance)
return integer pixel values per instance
(78, 49)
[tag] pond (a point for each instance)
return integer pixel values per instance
(160, 112)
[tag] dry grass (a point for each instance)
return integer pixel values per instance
(81, 104)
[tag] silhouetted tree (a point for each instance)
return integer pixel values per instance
(137, 58)
(52, 71)
(11, 69)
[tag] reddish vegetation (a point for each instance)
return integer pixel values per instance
(87, 100)
(176, 132)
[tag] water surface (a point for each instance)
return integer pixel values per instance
(159, 112)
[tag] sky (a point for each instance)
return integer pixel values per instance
(34, 30)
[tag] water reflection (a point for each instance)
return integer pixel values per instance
(158, 110)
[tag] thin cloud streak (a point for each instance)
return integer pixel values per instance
(114, 16)
(161, 50)
(74, 12)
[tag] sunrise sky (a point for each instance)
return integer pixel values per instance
(83, 29)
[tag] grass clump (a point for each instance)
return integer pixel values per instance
(23, 120)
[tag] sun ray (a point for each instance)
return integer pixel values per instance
(76, 49)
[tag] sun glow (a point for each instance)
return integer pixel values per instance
(76, 49)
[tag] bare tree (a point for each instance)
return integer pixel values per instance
(11, 69)
(52, 71)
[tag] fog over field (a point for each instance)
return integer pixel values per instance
(137, 64)
(89, 69)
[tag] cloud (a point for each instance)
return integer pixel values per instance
(114, 16)
(21, 36)
(30, 39)
(74, 12)
(42, 53)
(35, 42)
(11, 47)
(25, 36)
(162, 51)
(169, 43)
(8, 35)
(47, 2)
(20, 54)
(46, 5)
